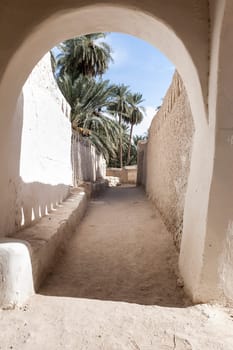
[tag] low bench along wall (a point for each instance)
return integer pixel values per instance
(27, 256)
(167, 157)
(36, 222)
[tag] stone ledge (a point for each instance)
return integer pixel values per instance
(35, 249)
(16, 281)
(51, 233)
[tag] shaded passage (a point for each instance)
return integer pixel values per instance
(121, 252)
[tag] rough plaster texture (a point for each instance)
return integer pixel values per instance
(141, 163)
(168, 157)
(87, 164)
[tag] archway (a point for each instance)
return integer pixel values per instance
(157, 27)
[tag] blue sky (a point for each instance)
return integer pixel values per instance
(143, 68)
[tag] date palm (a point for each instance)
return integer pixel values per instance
(87, 98)
(85, 55)
(135, 115)
(119, 107)
(75, 63)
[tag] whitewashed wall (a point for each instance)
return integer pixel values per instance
(41, 174)
(87, 163)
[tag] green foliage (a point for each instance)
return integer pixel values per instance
(119, 108)
(85, 55)
(93, 101)
(135, 116)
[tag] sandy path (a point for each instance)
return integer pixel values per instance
(52, 323)
(121, 252)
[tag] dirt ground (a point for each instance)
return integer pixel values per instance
(120, 252)
(116, 288)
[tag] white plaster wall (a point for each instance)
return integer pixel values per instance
(46, 134)
(216, 279)
(168, 157)
(41, 136)
(87, 163)
(44, 165)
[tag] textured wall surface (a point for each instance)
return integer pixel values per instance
(45, 172)
(141, 163)
(168, 156)
(49, 151)
(87, 163)
(41, 174)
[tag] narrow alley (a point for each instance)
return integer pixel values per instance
(121, 252)
(115, 288)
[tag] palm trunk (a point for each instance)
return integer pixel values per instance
(130, 139)
(120, 143)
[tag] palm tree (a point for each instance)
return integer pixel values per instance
(103, 133)
(85, 95)
(135, 115)
(87, 98)
(114, 161)
(76, 63)
(137, 138)
(119, 107)
(85, 55)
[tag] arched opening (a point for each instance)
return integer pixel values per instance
(136, 277)
(197, 37)
(66, 24)
(62, 26)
